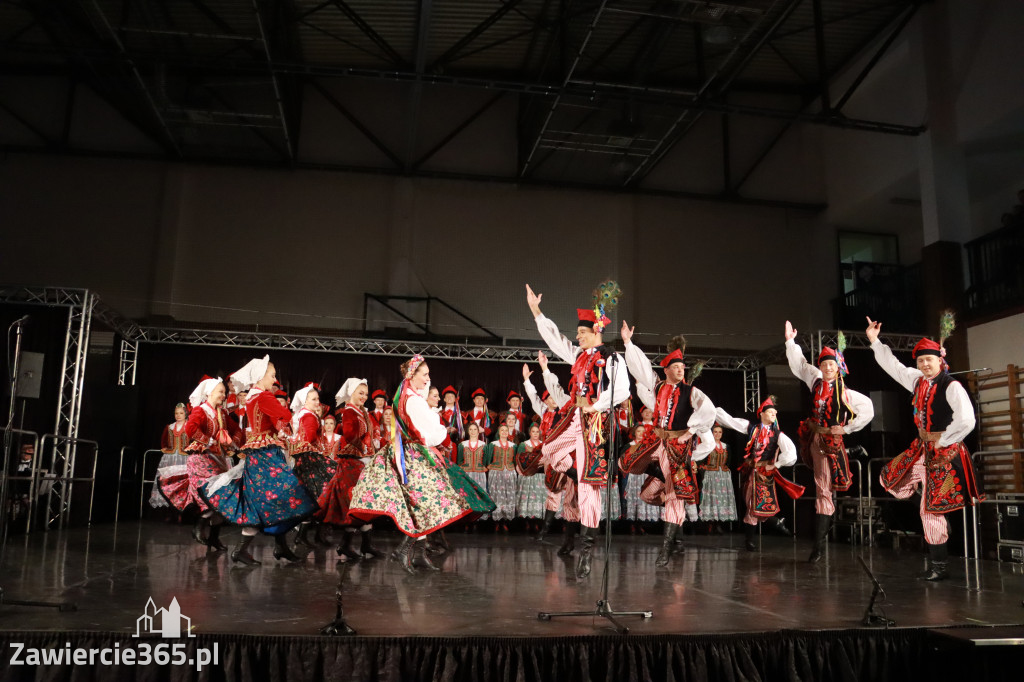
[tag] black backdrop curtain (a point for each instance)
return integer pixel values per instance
(875, 656)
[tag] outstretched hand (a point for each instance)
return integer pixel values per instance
(526, 372)
(790, 332)
(542, 360)
(533, 300)
(873, 330)
(626, 332)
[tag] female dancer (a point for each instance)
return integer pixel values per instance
(471, 458)
(213, 434)
(261, 491)
(313, 468)
(717, 497)
(331, 441)
(533, 495)
(638, 512)
(407, 480)
(502, 479)
(357, 435)
(173, 442)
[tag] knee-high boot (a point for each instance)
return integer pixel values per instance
(938, 563)
(667, 545)
(821, 526)
(568, 537)
(587, 548)
(549, 518)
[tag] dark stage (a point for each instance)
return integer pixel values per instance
(720, 612)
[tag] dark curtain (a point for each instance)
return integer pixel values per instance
(875, 656)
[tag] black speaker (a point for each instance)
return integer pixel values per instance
(887, 410)
(30, 374)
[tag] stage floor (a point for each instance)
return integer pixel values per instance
(490, 585)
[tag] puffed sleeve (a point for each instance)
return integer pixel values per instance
(426, 421)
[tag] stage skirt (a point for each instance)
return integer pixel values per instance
(179, 484)
(636, 508)
(717, 498)
(533, 495)
(473, 493)
(314, 471)
(158, 500)
(503, 487)
(424, 503)
(616, 503)
(260, 491)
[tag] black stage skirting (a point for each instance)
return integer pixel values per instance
(876, 655)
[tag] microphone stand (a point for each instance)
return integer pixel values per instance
(871, 615)
(62, 606)
(604, 608)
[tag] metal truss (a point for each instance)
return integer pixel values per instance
(751, 390)
(79, 303)
(857, 339)
(126, 362)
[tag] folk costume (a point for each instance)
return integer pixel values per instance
(312, 467)
(451, 417)
(679, 409)
(717, 497)
(821, 450)
(214, 436)
(768, 448)
(486, 419)
(335, 499)
(533, 493)
(502, 479)
(261, 491)
(937, 459)
(173, 443)
(406, 481)
(577, 446)
(520, 432)
(556, 485)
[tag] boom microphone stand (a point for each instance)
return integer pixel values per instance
(604, 607)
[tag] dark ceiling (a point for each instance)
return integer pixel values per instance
(624, 81)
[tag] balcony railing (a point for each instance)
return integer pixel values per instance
(995, 264)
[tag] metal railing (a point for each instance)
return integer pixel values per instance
(66, 476)
(32, 478)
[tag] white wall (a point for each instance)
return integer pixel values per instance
(997, 344)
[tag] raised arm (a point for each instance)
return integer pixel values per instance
(555, 388)
(558, 343)
(730, 422)
(904, 376)
(798, 365)
(639, 366)
(531, 393)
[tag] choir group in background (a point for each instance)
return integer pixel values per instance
(241, 451)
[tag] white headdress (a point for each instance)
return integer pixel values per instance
(254, 370)
(299, 399)
(348, 388)
(203, 390)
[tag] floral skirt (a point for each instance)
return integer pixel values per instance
(533, 495)
(174, 459)
(717, 498)
(314, 471)
(468, 486)
(636, 508)
(424, 503)
(336, 497)
(503, 487)
(180, 484)
(260, 491)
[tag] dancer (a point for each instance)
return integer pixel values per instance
(214, 436)
(529, 465)
(717, 497)
(380, 431)
(638, 512)
(547, 407)
(768, 448)
(937, 459)
(451, 416)
(471, 457)
(407, 480)
(681, 412)
(312, 467)
(502, 479)
(335, 499)
(331, 441)
(261, 491)
(515, 408)
(838, 411)
(173, 443)
(577, 447)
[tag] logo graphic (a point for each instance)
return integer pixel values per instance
(164, 622)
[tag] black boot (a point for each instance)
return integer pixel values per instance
(303, 537)
(345, 549)
(197, 530)
(422, 558)
(568, 538)
(213, 542)
(403, 555)
(587, 547)
(282, 550)
(571, 473)
(654, 469)
(750, 533)
(667, 544)
(366, 546)
(938, 564)
(821, 526)
(549, 518)
(779, 527)
(241, 552)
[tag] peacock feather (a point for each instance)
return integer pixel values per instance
(607, 294)
(698, 367)
(947, 324)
